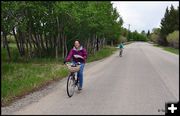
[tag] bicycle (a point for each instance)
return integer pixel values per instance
(73, 80)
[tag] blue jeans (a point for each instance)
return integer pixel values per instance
(80, 75)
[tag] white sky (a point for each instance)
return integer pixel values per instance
(142, 15)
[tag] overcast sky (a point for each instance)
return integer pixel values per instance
(142, 15)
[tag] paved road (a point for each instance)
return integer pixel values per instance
(140, 82)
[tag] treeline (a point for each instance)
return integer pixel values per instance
(43, 28)
(127, 35)
(168, 33)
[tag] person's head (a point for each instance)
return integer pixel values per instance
(77, 44)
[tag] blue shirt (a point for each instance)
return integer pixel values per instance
(121, 45)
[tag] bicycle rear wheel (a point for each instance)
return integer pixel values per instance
(71, 85)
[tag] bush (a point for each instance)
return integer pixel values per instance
(138, 37)
(11, 39)
(154, 37)
(142, 38)
(173, 39)
(122, 39)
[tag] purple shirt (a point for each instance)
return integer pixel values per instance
(82, 52)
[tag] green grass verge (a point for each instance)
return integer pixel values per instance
(105, 52)
(169, 49)
(20, 78)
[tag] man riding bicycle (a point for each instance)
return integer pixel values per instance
(78, 54)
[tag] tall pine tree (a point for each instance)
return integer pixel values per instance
(169, 23)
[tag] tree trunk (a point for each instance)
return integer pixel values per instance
(21, 42)
(50, 41)
(30, 43)
(7, 45)
(30, 49)
(97, 43)
(34, 42)
(42, 42)
(104, 40)
(57, 40)
(26, 44)
(66, 50)
(111, 42)
(57, 49)
(37, 44)
(17, 43)
(62, 45)
(3, 42)
(87, 44)
(54, 42)
(46, 43)
(94, 44)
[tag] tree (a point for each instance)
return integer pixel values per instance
(143, 32)
(148, 34)
(155, 35)
(173, 39)
(48, 29)
(169, 23)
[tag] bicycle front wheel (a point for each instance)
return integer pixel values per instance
(71, 85)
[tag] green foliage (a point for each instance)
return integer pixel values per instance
(124, 32)
(173, 39)
(134, 36)
(46, 24)
(138, 36)
(14, 52)
(11, 39)
(19, 79)
(122, 39)
(169, 49)
(155, 35)
(105, 52)
(169, 23)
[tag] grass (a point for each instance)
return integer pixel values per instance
(21, 78)
(169, 49)
(105, 52)
(16, 57)
(14, 52)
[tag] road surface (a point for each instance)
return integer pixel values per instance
(140, 82)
